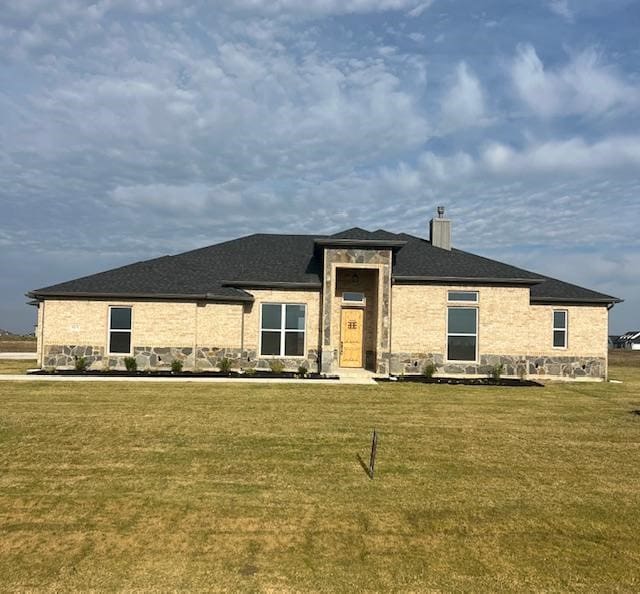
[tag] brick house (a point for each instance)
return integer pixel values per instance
(377, 300)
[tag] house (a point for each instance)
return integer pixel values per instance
(386, 302)
(629, 340)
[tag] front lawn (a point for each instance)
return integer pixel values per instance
(11, 366)
(251, 487)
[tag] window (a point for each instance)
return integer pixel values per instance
(463, 296)
(560, 328)
(462, 333)
(282, 330)
(354, 299)
(120, 330)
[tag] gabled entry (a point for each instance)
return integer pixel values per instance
(351, 337)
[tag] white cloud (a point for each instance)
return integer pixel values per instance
(463, 104)
(573, 155)
(583, 86)
(561, 8)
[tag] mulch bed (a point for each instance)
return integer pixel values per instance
(479, 381)
(187, 374)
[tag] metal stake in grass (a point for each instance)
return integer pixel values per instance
(372, 458)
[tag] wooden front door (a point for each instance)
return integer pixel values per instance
(351, 336)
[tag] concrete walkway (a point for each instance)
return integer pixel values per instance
(178, 380)
(18, 356)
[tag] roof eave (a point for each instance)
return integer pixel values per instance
(272, 285)
(371, 243)
(605, 300)
(472, 280)
(241, 297)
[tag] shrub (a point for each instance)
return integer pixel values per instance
(302, 370)
(250, 370)
(496, 371)
(522, 370)
(176, 366)
(429, 369)
(225, 365)
(131, 364)
(276, 366)
(81, 364)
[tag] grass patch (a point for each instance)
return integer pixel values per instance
(16, 344)
(238, 487)
(8, 366)
(624, 358)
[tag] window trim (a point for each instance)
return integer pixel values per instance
(465, 301)
(109, 330)
(564, 329)
(352, 303)
(283, 330)
(476, 335)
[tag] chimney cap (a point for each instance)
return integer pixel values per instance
(440, 210)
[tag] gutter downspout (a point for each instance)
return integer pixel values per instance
(606, 357)
(41, 354)
(241, 332)
(195, 337)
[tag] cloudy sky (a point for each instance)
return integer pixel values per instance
(135, 128)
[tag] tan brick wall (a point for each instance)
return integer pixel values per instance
(155, 324)
(220, 325)
(508, 324)
(588, 330)
(252, 314)
(75, 322)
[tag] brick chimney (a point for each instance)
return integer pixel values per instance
(440, 231)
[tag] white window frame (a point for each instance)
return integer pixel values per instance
(474, 293)
(283, 330)
(564, 328)
(351, 303)
(475, 335)
(109, 330)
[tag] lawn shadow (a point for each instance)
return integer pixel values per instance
(364, 465)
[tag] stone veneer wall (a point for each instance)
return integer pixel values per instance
(340, 258)
(207, 358)
(66, 355)
(568, 367)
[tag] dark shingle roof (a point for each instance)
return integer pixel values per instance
(220, 271)
(363, 234)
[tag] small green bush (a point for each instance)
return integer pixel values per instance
(250, 370)
(302, 371)
(276, 366)
(522, 370)
(496, 371)
(225, 365)
(429, 369)
(131, 364)
(81, 363)
(176, 366)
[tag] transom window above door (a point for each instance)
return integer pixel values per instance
(282, 329)
(353, 298)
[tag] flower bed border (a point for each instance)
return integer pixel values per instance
(463, 381)
(186, 374)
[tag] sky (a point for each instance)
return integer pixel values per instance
(130, 129)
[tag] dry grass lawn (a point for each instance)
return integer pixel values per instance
(258, 488)
(8, 366)
(16, 344)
